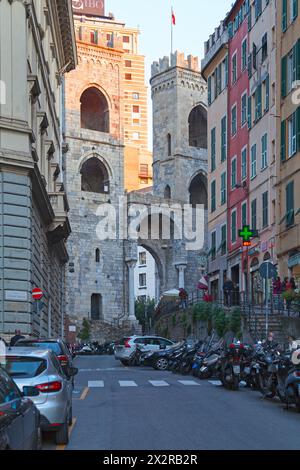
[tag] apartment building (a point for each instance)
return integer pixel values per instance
(215, 70)
(288, 128)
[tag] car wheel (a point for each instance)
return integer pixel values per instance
(62, 435)
(161, 364)
(71, 416)
(125, 363)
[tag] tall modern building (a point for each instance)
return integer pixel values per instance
(288, 131)
(37, 47)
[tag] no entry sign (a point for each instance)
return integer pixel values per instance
(37, 293)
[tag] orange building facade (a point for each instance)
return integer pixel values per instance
(105, 34)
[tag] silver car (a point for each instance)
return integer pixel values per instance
(40, 372)
(125, 347)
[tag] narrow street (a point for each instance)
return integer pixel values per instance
(139, 408)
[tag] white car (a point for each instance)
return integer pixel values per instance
(125, 347)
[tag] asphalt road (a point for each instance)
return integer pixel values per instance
(119, 408)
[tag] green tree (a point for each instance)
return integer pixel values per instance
(144, 310)
(85, 331)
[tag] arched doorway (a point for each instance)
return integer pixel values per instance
(96, 307)
(94, 110)
(94, 177)
(198, 127)
(198, 190)
(167, 192)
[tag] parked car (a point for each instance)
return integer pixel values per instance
(19, 417)
(58, 346)
(51, 390)
(126, 346)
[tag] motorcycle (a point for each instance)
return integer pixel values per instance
(186, 362)
(288, 383)
(136, 357)
(231, 366)
(267, 366)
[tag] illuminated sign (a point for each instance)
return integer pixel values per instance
(246, 234)
(89, 7)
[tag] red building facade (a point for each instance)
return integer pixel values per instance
(238, 142)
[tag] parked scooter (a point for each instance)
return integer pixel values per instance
(231, 365)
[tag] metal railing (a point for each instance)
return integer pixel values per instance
(277, 306)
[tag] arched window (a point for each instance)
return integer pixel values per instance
(94, 177)
(94, 110)
(198, 190)
(97, 255)
(167, 193)
(198, 127)
(169, 139)
(96, 307)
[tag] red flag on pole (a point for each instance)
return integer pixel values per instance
(173, 17)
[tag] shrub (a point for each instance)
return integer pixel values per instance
(235, 321)
(85, 331)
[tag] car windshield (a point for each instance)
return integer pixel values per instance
(25, 367)
(55, 347)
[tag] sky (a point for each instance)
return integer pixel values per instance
(195, 21)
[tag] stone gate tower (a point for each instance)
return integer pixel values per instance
(179, 95)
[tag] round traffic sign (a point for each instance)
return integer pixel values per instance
(37, 293)
(267, 270)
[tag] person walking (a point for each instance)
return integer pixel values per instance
(183, 295)
(228, 289)
(16, 338)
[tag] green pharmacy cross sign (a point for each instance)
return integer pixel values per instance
(246, 234)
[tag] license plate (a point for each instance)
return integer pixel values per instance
(247, 370)
(236, 369)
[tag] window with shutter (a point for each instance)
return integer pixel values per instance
(284, 15)
(249, 112)
(253, 215)
(283, 141)
(213, 196)
(213, 149)
(283, 76)
(209, 90)
(290, 210)
(224, 139)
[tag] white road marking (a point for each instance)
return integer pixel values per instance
(96, 384)
(216, 383)
(127, 383)
(188, 382)
(103, 370)
(159, 383)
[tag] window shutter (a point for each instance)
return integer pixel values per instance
(230, 30)
(295, 9)
(284, 15)
(267, 93)
(249, 112)
(250, 65)
(298, 60)
(259, 95)
(283, 76)
(209, 90)
(226, 70)
(283, 141)
(249, 20)
(298, 128)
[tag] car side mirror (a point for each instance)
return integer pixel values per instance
(73, 371)
(30, 392)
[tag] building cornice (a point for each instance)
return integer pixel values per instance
(62, 15)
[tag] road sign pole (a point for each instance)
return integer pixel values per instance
(267, 301)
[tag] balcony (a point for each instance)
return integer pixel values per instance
(60, 228)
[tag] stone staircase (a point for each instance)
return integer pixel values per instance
(256, 325)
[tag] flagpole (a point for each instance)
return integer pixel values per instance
(171, 32)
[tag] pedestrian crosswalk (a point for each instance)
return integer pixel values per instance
(154, 383)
